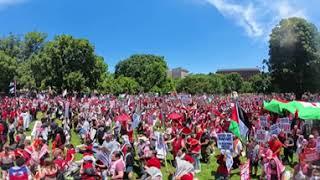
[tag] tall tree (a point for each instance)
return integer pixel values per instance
(67, 58)
(294, 64)
(12, 46)
(33, 43)
(148, 70)
(8, 67)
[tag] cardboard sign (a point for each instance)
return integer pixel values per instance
(309, 155)
(284, 120)
(264, 121)
(285, 127)
(274, 129)
(261, 136)
(245, 171)
(225, 141)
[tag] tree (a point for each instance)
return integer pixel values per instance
(8, 67)
(246, 87)
(167, 86)
(125, 85)
(294, 64)
(65, 59)
(147, 70)
(11, 46)
(33, 43)
(232, 82)
(74, 81)
(261, 83)
(216, 83)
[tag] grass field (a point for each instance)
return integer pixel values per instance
(207, 170)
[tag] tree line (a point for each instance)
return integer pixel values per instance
(66, 62)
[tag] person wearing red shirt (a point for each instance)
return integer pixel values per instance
(153, 161)
(222, 170)
(275, 145)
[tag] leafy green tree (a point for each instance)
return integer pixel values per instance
(167, 86)
(11, 46)
(232, 82)
(74, 81)
(64, 55)
(33, 43)
(294, 64)
(8, 67)
(194, 84)
(147, 70)
(216, 83)
(261, 83)
(246, 87)
(125, 85)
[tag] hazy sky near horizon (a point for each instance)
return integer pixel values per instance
(199, 35)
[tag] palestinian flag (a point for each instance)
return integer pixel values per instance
(304, 110)
(239, 124)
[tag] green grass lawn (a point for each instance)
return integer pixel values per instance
(206, 169)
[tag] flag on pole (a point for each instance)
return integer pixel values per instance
(239, 124)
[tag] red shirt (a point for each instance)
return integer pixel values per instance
(154, 162)
(70, 153)
(275, 145)
(188, 176)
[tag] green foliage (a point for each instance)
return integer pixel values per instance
(32, 44)
(294, 64)
(11, 46)
(74, 81)
(148, 70)
(246, 87)
(232, 82)
(66, 59)
(261, 83)
(125, 85)
(201, 83)
(8, 67)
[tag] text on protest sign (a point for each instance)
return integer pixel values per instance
(264, 121)
(284, 120)
(261, 135)
(225, 141)
(285, 127)
(274, 129)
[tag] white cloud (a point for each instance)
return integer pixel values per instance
(257, 17)
(7, 3)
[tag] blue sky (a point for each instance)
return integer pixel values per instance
(199, 35)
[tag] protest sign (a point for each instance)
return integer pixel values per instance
(245, 171)
(225, 141)
(261, 136)
(274, 129)
(285, 127)
(284, 120)
(309, 155)
(264, 121)
(318, 144)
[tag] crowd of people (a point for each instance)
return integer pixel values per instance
(134, 136)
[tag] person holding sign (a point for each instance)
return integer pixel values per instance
(275, 145)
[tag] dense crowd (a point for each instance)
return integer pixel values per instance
(131, 137)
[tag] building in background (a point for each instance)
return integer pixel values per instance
(245, 73)
(178, 73)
